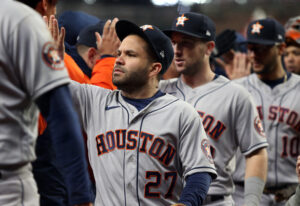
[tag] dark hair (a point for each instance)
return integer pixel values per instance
(33, 3)
(153, 58)
(291, 42)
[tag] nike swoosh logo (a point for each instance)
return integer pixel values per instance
(109, 108)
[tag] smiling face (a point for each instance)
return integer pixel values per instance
(133, 64)
(189, 53)
(263, 57)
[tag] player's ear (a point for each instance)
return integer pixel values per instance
(210, 47)
(92, 52)
(281, 48)
(155, 69)
(41, 7)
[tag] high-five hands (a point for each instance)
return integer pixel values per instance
(58, 36)
(109, 42)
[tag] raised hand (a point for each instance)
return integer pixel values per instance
(238, 67)
(58, 36)
(109, 42)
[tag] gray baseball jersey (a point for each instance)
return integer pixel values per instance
(230, 119)
(140, 157)
(279, 110)
(28, 69)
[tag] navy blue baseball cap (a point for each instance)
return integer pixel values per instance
(87, 35)
(194, 24)
(159, 43)
(265, 31)
(74, 22)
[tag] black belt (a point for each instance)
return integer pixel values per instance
(240, 183)
(213, 198)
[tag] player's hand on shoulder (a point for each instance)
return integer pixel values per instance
(57, 35)
(109, 43)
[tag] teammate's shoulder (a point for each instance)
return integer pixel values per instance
(294, 81)
(234, 85)
(163, 84)
(295, 76)
(241, 80)
(179, 103)
(16, 11)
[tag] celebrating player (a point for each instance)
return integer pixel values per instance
(228, 113)
(276, 94)
(143, 144)
(31, 74)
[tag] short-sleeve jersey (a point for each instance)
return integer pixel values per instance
(279, 110)
(230, 120)
(140, 157)
(29, 67)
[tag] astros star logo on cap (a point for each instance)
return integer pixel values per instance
(145, 27)
(256, 28)
(181, 20)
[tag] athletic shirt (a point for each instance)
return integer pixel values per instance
(29, 68)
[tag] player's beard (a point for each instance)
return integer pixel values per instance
(267, 67)
(191, 69)
(131, 81)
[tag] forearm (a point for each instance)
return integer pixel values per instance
(195, 190)
(255, 176)
(257, 164)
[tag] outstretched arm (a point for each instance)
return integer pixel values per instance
(56, 106)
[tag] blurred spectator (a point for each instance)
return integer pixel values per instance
(291, 56)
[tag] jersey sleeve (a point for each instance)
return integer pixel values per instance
(249, 129)
(86, 99)
(37, 64)
(194, 147)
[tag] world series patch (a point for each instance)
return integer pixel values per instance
(205, 146)
(51, 57)
(258, 126)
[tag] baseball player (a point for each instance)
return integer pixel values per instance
(291, 55)
(276, 94)
(143, 145)
(33, 76)
(227, 111)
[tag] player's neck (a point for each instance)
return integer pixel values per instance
(143, 92)
(275, 74)
(203, 76)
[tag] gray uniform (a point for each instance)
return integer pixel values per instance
(279, 110)
(140, 157)
(230, 120)
(28, 69)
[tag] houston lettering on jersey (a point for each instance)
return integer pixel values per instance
(214, 128)
(282, 114)
(123, 139)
